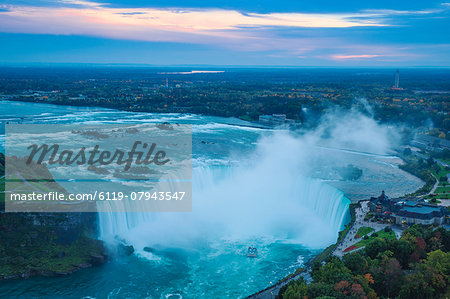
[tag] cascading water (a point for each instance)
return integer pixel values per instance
(238, 202)
(263, 199)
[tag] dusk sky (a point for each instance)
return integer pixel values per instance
(227, 32)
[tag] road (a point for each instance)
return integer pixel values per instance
(436, 184)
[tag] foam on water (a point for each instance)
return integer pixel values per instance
(263, 197)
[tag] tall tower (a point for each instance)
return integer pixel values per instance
(167, 82)
(397, 79)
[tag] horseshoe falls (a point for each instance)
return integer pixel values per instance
(269, 189)
(239, 204)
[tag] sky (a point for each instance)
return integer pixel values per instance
(378, 33)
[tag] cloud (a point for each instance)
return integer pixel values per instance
(296, 34)
(361, 56)
(137, 21)
(82, 3)
(218, 27)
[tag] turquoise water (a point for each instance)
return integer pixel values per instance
(251, 187)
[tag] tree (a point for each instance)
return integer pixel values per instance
(376, 246)
(433, 278)
(393, 276)
(444, 236)
(294, 290)
(415, 287)
(332, 272)
(320, 289)
(440, 262)
(345, 289)
(401, 251)
(388, 275)
(355, 262)
(366, 281)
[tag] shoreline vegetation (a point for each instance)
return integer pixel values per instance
(432, 171)
(415, 266)
(46, 244)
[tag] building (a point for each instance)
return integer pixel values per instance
(381, 204)
(419, 213)
(396, 85)
(275, 120)
(397, 79)
(430, 143)
(407, 211)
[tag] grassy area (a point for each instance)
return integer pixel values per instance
(428, 170)
(364, 231)
(381, 234)
(421, 169)
(443, 189)
(440, 171)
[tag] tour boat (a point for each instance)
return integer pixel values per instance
(252, 252)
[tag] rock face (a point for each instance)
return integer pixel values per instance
(125, 249)
(46, 244)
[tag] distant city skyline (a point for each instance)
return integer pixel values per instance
(271, 33)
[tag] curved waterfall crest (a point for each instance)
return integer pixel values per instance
(240, 202)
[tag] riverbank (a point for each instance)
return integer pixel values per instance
(274, 289)
(47, 245)
(43, 244)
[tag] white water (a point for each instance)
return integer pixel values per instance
(265, 196)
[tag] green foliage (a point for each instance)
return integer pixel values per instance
(440, 262)
(320, 289)
(375, 246)
(356, 263)
(294, 289)
(422, 170)
(415, 287)
(416, 266)
(29, 249)
(364, 231)
(332, 272)
(380, 234)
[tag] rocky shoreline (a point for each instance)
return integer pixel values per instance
(47, 245)
(96, 260)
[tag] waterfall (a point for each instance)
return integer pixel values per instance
(240, 202)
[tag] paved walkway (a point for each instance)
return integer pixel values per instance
(273, 290)
(444, 202)
(350, 239)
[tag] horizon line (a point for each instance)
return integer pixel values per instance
(230, 66)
